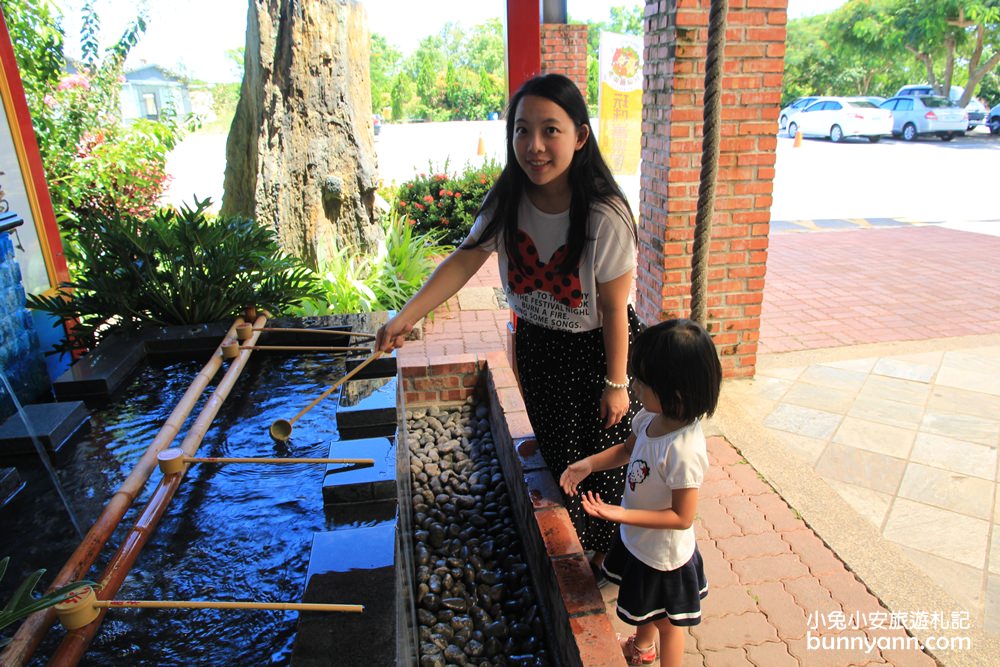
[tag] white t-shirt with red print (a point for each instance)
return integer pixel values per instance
(540, 293)
(677, 460)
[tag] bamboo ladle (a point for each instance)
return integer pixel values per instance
(173, 460)
(281, 429)
(83, 607)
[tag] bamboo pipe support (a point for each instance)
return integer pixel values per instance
(83, 607)
(328, 332)
(173, 460)
(281, 429)
(232, 349)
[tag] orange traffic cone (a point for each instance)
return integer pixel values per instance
(798, 139)
(481, 148)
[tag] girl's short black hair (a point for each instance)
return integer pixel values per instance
(678, 361)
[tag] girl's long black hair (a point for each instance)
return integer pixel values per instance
(590, 179)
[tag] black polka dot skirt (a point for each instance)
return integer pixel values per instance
(562, 379)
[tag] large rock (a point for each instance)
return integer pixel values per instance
(301, 149)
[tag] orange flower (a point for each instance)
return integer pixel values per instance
(420, 206)
(428, 199)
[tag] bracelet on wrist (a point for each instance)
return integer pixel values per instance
(615, 385)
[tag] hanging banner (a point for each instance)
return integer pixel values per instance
(619, 101)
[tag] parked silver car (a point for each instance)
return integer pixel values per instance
(798, 105)
(976, 109)
(913, 115)
(993, 119)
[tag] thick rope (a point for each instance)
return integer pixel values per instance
(709, 159)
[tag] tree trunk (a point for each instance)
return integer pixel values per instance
(301, 150)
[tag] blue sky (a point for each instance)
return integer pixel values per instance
(193, 36)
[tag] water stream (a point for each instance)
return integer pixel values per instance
(43, 456)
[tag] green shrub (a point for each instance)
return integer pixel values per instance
(383, 279)
(178, 267)
(446, 203)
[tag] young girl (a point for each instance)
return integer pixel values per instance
(656, 560)
(565, 239)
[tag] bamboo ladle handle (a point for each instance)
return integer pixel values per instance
(327, 332)
(82, 607)
(281, 429)
(173, 460)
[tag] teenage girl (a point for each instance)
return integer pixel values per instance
(656, 560)
(566, 241)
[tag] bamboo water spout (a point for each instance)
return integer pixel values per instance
(173, 460)
(281, 429)
(75, 643)
(83, 608)
(326, 332)
(33, 629)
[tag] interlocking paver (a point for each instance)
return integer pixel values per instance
(769, 568)
(748, 546)
(780, 608)
(734, 631)
(811, 550)
(727, 657)
(716, 520)
(747, 516)
(771, 654)
(725, 600)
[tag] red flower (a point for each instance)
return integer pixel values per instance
(428, 199)
(441, 193)
(402, 204)
(420, 206)
(444, 221)
(411, 221)
(458, 195)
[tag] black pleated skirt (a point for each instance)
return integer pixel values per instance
(562, 379)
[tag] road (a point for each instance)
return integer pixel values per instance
(927, 180)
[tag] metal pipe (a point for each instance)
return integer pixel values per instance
(28, 636)
(554, 11)
(75, 643)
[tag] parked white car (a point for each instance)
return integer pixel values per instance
(786, 114)
(914, 115)
(841, 117)
(975, 110)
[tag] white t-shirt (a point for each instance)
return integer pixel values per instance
(542, 295)
(677, 460)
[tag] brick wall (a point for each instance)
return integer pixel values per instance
(676, 34)
(564, 51)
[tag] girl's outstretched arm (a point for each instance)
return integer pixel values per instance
(678, 517)
(614, 321)
(449, 277)
(612, 457)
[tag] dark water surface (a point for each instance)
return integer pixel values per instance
(233, 532)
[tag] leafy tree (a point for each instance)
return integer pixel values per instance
(385, 62)
(36, 31)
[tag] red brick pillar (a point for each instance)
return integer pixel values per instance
(564, 51)
(676, 34)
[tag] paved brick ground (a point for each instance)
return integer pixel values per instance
(773, 584)
(879, 285)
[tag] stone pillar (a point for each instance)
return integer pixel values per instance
(676, 34)
(564, 51)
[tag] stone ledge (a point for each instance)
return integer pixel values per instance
(54, 424)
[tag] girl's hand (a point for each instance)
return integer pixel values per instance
(594, 506)
(573, 475)
(614, 405)
(391, 335)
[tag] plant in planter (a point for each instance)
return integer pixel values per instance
(177, 267)
(446, 203)
(382, 279)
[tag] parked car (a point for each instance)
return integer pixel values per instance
(798, 105)
(840, 117)
(975, 109)
(994, 119)
(926, 114)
